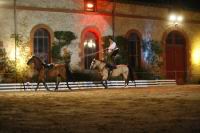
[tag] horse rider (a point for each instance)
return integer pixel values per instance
(112, 52)
(46, 62)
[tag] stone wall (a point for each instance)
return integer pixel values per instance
(68, 4)
(7, 29)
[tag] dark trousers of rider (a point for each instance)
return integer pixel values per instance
(111, 57)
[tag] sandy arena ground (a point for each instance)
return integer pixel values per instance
(137, 110)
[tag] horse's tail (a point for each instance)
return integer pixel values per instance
(131, 74)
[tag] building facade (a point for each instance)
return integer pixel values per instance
(35, 22)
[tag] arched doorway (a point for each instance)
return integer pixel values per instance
(91, 47)
(176, 57)
(134, 50)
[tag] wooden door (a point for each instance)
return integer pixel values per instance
(176, 57)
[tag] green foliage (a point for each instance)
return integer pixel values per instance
(56, 51)
(156, 47)
(65, 38)
(16, 69)
(8, 70)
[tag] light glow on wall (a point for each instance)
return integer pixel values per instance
(175, 19)
(21, 57)
(172, 17)
(12, 54)
(89, 43)
(90, 5)
(196, 56)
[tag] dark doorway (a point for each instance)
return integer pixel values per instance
(176, 57)
(134, 54)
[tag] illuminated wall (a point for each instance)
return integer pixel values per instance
(195, 56)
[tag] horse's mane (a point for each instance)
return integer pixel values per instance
(38, 59)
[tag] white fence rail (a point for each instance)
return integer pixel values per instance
(86, 85)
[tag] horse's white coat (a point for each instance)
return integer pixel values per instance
(121, 70)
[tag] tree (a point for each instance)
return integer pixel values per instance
(64, 38)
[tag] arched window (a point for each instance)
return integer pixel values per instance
(134, 50)
(41, 44)
(90, 48)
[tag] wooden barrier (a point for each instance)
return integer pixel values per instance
(86, 85)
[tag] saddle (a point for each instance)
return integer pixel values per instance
(110, 69)
(111, 66)
(48, 66)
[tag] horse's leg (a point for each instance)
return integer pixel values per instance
(44, 78)
(102, 83)
(105, 85)
(125, 83)
(105, 78)
(24, 86)
(68, 85)
(125, 77)
(67, 77)
(37, 86)
(57, 84)
(45, 85)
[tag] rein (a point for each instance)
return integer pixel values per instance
(94, 53)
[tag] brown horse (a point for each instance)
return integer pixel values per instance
(44, 72)
(121, 70)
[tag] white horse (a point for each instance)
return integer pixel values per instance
(121, 70)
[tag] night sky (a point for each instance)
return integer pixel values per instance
(182, 4)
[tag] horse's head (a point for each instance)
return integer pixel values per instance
(36, 61)
(94, 64)
(31, 60)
